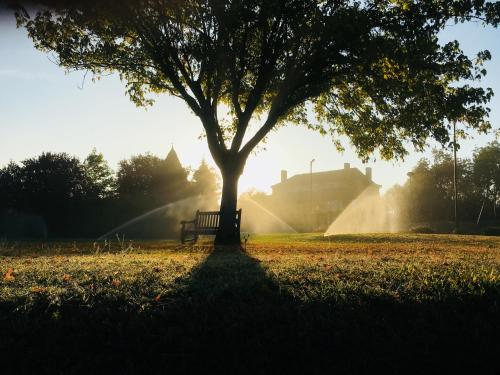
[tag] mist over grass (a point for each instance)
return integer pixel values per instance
(367, 213)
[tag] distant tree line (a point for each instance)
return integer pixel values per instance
(428, 194)
(58, 195)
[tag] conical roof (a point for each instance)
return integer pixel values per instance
(172, 161)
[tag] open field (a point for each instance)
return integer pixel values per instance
(290, 303)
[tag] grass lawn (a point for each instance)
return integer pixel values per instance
(289, 304)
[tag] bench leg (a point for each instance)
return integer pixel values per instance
(185, 238)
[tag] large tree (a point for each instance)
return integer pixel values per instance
(52, 185)
(206, 186)
(487, 172)
(149, 182)
(373, 70)
(101, 181)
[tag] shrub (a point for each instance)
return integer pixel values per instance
(422, 229)
(492, 231)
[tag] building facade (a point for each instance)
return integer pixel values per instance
(311, 201)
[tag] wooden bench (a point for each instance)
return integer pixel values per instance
(205, 223)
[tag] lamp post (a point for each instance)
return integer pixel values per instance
(410, 205)
(455, 194)
(409, 208)
(311, 191)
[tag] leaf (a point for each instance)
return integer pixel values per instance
(66, 277)
(9, 275)
(116, 283)
(38, 289)
(157, 298)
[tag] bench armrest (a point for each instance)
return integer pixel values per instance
(183, 222)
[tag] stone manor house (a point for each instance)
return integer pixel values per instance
(311, 201)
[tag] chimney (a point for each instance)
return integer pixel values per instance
(347, 165)
(368, 173)
(284, 175)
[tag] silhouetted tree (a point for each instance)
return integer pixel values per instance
(53, 186)
(398, 205)
(136, 176)
(487, 172)
(15, 221)
(421, 193)
(150, 181)
(58, 193)
(442, 177)
(206, 184)
(428, 196)
(146, 182)
(10, 186)
(374, 70)
(100, 178)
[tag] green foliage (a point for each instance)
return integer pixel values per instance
(487, 171)
(10, 185)
(206, 183)
(151, 180)
(147, 182)
(427, 196)
(51, 177)
(101, 180)
(373, 70)
(42, 193)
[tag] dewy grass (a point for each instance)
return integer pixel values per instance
(296, 303)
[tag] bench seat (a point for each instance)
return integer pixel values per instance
(205, 223)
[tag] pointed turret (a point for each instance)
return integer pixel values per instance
(172, 160)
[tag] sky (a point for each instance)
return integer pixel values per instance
(42, 108)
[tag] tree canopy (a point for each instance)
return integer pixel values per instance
(487, 171)
(427, 196)
(206, 185)
(100, 176)
(372, 70)
(148, 178)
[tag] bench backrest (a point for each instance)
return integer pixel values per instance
(210, 219)
(207, 219)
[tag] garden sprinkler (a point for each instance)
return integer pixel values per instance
(246, 236)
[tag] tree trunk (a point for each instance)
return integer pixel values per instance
(228, 233)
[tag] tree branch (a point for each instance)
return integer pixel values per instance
(268, 58)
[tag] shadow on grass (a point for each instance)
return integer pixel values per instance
(230, 316)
